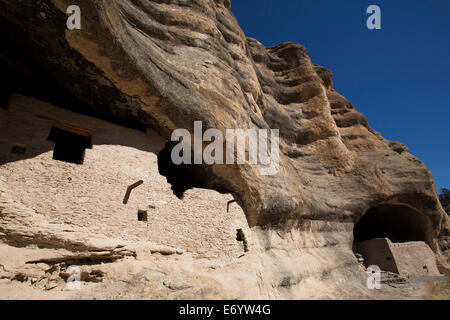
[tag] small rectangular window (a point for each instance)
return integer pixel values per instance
(70, 142)
(240, 235)
(142, 216)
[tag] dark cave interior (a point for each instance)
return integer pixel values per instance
(399, 223)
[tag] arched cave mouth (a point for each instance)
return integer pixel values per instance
(187, 176)
(399, 223)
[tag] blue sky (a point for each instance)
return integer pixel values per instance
(399, 76)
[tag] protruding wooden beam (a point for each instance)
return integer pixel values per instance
(129, 189)
(228, 204)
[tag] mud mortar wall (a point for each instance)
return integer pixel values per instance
(91, 195)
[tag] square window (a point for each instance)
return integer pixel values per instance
(142, 216)
(70, 142)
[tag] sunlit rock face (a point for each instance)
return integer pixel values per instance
(165, 64)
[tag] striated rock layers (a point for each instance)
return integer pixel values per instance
(164, 64)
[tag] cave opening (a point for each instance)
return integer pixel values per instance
(181, 177)
(186, 176)
(70, 143)
(396, 238)
(398, 223)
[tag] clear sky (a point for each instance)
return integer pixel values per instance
(399, 76)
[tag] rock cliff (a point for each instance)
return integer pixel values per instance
(164, 64)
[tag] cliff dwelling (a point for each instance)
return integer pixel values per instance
(395, 237)
(86, 175)
(105, 177)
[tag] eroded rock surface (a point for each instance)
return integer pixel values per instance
(165, 64)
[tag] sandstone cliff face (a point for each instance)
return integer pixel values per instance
(165, 64)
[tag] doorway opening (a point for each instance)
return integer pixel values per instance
(240, 236)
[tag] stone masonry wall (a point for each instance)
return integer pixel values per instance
(377, 252)
(90, 195)
(414, 259)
